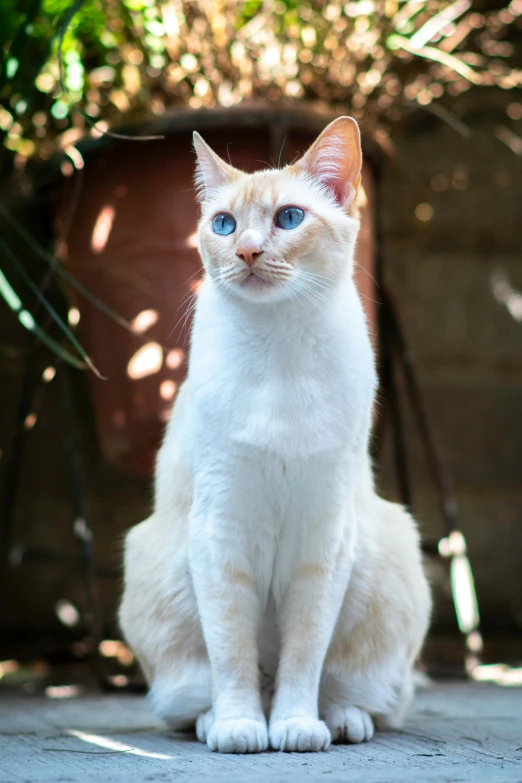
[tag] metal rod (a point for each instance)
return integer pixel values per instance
(385, 357)
(440, 473)
(389, 382)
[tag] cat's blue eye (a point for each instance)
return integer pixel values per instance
(289, 217)
(223, 224)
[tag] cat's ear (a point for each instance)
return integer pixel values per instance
(211, 171)
(335, 159)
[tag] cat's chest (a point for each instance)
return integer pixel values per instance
(303, 412)
(308, 402)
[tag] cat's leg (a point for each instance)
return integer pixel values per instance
(229, 606)
(368, 672)
(346, 722)
(160, 620)
(386, 692)
(308, 610)
(349, 724)
(353, 703)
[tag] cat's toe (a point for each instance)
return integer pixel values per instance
(349, 724)
(303, 735)
(238, 735)
(204, 724)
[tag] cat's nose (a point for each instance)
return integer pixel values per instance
(249, 246)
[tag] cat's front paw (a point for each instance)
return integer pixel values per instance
(303, 735)
(238, 735)
(349, 724)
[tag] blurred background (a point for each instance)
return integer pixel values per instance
(98, 273)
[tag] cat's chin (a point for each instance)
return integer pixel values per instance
(256, 288)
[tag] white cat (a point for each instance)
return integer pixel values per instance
(269, 559)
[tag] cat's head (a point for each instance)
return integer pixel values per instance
(281, 232)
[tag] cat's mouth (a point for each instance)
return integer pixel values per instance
(258, 284)
(255, 282)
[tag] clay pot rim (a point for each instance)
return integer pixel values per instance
(309, 117)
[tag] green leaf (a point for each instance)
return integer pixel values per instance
(59, 270)
(28, 320)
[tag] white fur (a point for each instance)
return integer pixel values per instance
(268, 548)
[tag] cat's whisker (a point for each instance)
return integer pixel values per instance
(277, 264)
(369, 299)
(366, 272)
(295, 294)
(188, 316)
(314, 288)
(317, 286)
(317, 279)
(190, 308)
(199, 271)
(268, 165)
(315, 275)
(307, 287)
(228, 275)
(311, 295)
(182, 316)
(321, 283)
(320, 294)
(278, 272)
(280, 153)
(185, 316)
(187, 296)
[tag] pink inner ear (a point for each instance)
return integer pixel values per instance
(340, 185)
(343, 191)
(333, 166)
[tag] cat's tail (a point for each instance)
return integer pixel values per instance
(180, 696)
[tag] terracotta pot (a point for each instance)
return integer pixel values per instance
(131, 241)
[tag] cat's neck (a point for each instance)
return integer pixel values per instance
(314, 309)
(267, 370)
(292, 336)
